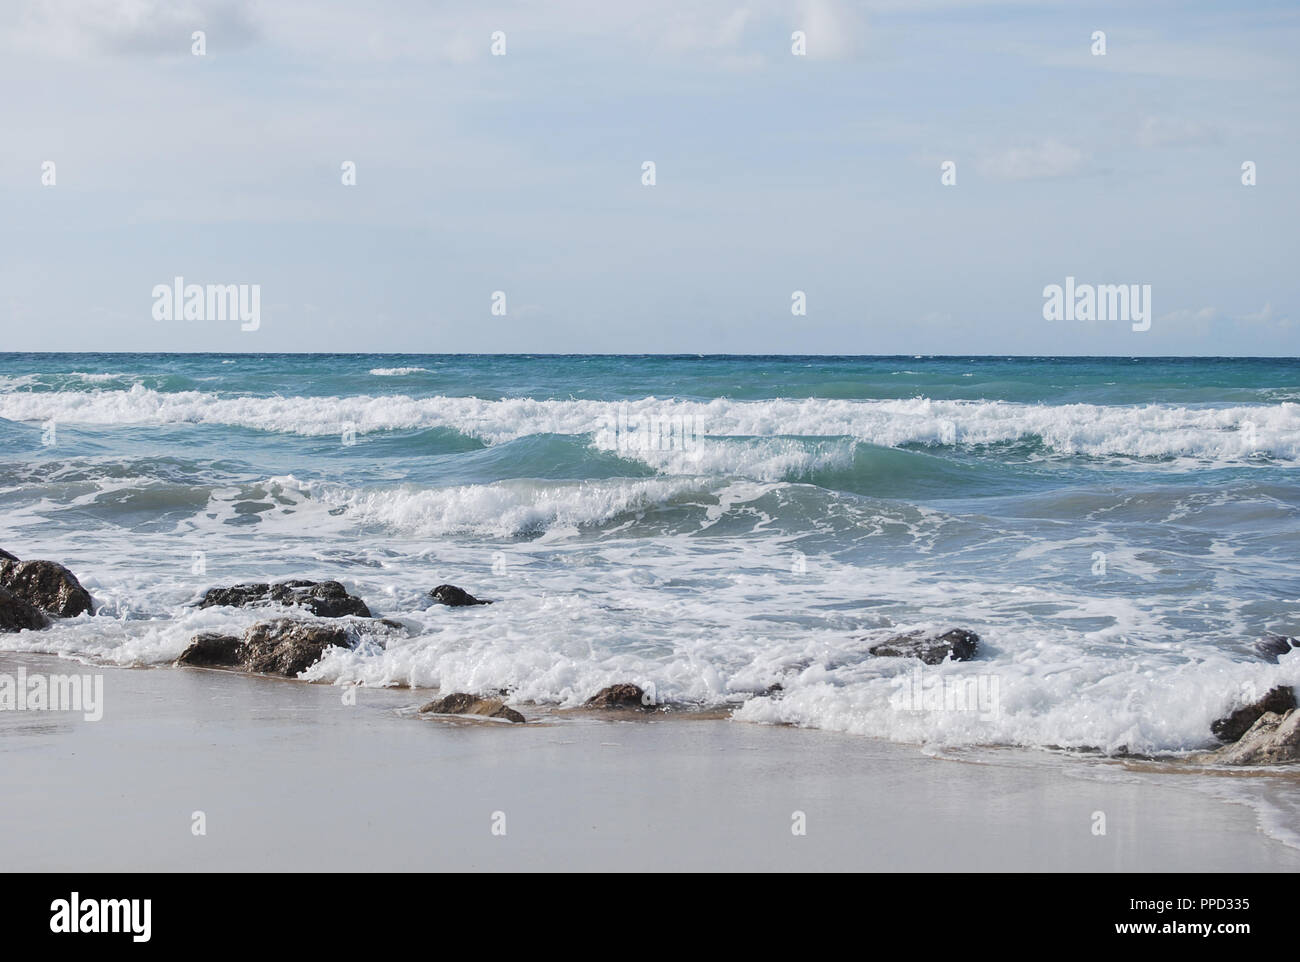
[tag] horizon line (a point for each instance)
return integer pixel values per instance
(679, 355)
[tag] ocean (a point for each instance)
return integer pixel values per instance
(1119, 532)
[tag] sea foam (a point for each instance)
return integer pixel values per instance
(1227, 434)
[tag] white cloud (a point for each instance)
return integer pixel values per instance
(1267, 317)
(1176, 132)
(701, 29)
(1045, 160)
(1187, 315)
(1188, 322)
(835, 31)
(84, 28)
(1200, 319)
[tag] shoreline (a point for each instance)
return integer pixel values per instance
(303, 781)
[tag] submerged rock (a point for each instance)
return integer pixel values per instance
(16, 614)
(46, 585)
(460, 703)
(1274, 739)
(455, 597)
(212, 650)
(326, 599)
(1231, 727)
(1271, 646)
(618, 696)
(931, 649)
(289, 647)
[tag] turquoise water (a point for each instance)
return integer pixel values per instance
(1119, 531)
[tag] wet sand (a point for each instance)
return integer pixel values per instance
(289, 777)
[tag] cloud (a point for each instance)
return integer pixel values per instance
(721, 33)
(704, 30)
(1047, 160)
(1148, 53)
(82, 28)
(1186, 314)
(1174, 132)
(1200, 320)
(1196, 323)
(1266, 317)
(835, 32)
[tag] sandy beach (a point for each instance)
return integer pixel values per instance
(289, 777)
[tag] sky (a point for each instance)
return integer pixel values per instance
(774, 173)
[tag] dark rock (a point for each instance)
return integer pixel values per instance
(1231, 727)
(459, 703)
(283, 646)
(212, 650)
(6, 556)
(931, 649)
(16, 614)
(618, 696)
(326, 599)
(1271, 646)
(289, 647)
(47, 585)
(455, 597)
(1273, 740)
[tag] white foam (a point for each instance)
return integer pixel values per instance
(713, 628)
(1230, 434)
(502, 508)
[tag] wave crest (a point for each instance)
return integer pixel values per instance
(1154, 431)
